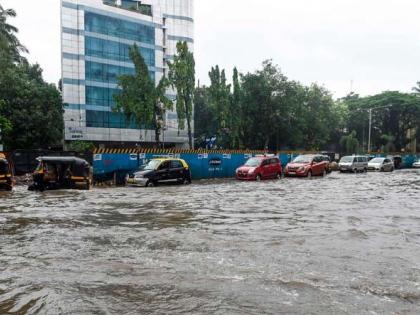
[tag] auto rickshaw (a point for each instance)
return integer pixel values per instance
(55, 173)
(7, 181)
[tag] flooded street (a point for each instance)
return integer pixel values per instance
(345, 244)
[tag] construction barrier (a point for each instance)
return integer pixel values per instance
(111, 163)
(117, 163)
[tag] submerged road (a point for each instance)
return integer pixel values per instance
(345, 244)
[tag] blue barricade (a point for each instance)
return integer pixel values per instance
(202, 165)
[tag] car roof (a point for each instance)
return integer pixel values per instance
(184, 164)
(166, 159)
(62, 159)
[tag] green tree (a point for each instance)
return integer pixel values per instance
(140, 100)
(81, 146)
(350, 143)
(220, 101)
(394, 113)
(236, 112)
(9, 43)
(5, 124)
(204, 116)
(33, 107)
(182, 78)
(417, 88)
(262, 103)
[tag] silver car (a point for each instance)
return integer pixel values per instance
(381, 164)
(416, 164)
(355, 163)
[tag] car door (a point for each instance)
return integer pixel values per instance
(317, 165)
(177, 170)
(265, 168)
(387, 165)
(163, 172)
(359, 163)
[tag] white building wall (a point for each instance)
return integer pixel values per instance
(178, 17)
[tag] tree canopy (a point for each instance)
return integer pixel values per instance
(140, 100)
(264, 109)
(31, 110)
(182, 78)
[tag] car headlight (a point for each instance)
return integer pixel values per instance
(139, 176)
(251, 171)
(302, 168)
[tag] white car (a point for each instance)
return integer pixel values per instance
(416, 164)
(381, 164)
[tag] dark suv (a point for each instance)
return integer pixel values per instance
(161, 171)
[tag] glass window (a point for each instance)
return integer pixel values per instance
(176, 164)
(100, 72)
(101, 119)
(107, 25)
(101, 48)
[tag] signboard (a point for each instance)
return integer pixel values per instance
(215, 162)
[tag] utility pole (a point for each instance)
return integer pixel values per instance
(370, 129)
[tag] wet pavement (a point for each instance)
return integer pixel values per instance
(345, 244)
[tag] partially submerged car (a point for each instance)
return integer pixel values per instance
(381, 164)
(259, 168)
(308, 165)
(416, 164)
(354, 163)
(7, 181)
(61, 173)
(164, 170)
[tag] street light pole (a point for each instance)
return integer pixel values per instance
(370, 129)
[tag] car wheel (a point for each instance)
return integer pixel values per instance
(382, 169)
(324, 173)
(278, 176)
(258, 178)
(392, 169)
(150, 183)
(309, 175)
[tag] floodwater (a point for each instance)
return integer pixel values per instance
(344, 244)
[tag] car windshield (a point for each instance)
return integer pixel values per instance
(377, 160)
(253, 162)
(151, 166)
(303, 159)
(347, 159)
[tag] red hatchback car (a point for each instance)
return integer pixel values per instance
(308, 166)
(260, 167)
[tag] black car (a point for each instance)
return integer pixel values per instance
(161, 171)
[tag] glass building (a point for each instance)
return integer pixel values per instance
(96, 37)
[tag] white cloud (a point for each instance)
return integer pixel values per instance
(375, 43)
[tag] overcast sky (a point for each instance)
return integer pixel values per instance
(373, 43)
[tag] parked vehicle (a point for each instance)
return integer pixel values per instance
(396, 160)
(416, 164)
(159, 171)
(355, 163)
(260, 167)
(7, 181)
(61, 173)
(308, 165)
(381, 164)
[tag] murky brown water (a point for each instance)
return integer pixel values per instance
(346, 244)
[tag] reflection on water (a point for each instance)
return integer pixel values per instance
(345, 244)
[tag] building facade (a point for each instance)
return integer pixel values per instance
(96, 37)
